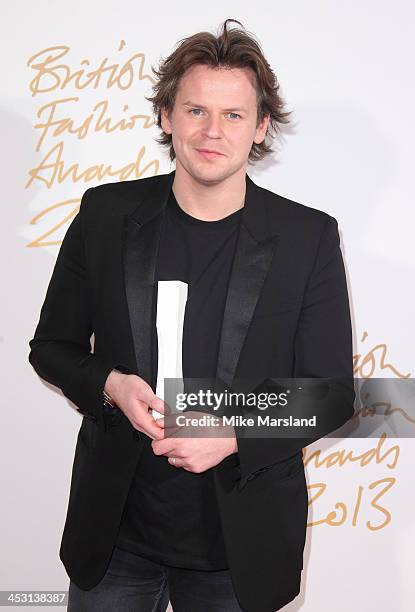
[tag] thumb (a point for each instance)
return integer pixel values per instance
(159, 405)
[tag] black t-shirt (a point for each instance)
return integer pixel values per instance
(171, 515)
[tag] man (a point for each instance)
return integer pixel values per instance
(213, 523)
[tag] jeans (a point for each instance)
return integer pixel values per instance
(134, 584)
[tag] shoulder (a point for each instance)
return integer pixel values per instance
(121, 196)
(291, 217)
(291, 209)
(129, 190)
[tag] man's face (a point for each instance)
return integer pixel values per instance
(215, 110)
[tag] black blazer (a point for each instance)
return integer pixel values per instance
(286, 315)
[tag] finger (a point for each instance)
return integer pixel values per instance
(159, 405)
(175, 462)
(169, 422)
(146, 395)
(151, 427)
(166, 446)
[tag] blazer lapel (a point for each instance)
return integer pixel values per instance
(254, 251)
(140, 247)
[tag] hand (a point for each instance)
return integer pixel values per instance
(196, 453)
(137, 400)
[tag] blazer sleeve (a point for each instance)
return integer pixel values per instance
(322, 349)
(60, 350)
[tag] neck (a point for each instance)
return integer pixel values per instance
(209, 201)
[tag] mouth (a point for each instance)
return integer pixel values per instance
(208, 153)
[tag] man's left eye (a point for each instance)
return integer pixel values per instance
(196, 112)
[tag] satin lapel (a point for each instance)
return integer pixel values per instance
(254, 251)
(140, 247)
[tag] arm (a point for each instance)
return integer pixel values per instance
(60, 351)
(322, 349)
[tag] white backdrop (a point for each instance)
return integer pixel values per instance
(346, 71)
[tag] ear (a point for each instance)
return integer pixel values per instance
(261, 130)
(165, 121)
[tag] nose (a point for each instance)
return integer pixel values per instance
(212, 127)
